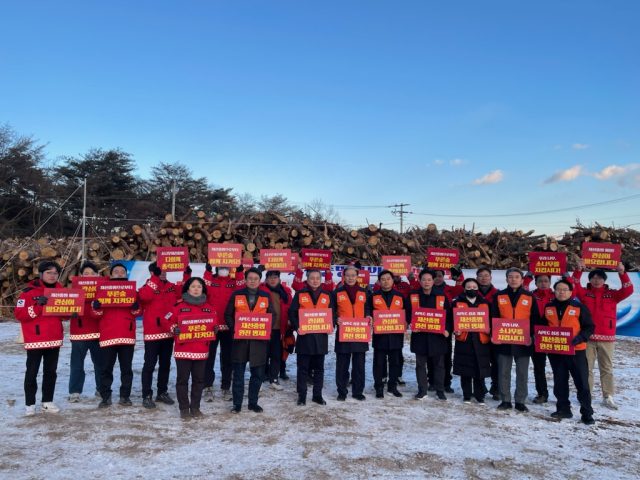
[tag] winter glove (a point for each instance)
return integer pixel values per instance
(411, 276)
(261, 268)
(96, 305)
(566, 275)
(188, 270)
(156, 271)
(241, 268)
(455, 273)
(135, 306)
(358, 265)
(529, 275)
(208, 267)
(74, 315)
(577, 339)
(176, 331)
(42, 300)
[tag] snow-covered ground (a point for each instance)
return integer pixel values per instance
(390, 438)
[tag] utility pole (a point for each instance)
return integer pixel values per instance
(173, 202)
(400, 212)
(84, 220)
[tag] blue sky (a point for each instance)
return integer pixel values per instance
(457, 108)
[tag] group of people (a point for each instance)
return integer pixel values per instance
(109, 334)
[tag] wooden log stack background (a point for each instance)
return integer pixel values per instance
(19, 257)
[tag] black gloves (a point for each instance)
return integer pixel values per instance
(176, 331)
(42, 300)
(577, 339)
(188, 270)
(529, 275)
(96, 305)
(261, 268)
(135, 306)
(208, 267)
(74, 315)
(156, 271)
(455, 273)
(240, 268)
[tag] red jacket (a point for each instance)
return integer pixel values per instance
(86, 327)
(284, 308)
(219, 291)
(117, 324)
(543, 296)
(327, 285)
(187, 350)
(38, 331)
(489, 296)
(157, 298)
(602, 303)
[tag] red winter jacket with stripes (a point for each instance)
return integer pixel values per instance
(38, 331)
(117, 324)
(157, 298)
(187, 350)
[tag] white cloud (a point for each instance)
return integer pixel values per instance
(580, 146)
(621, 173)
(565, 175)
(557, 147)
(438, 162)
(494, 177)
(458, 161)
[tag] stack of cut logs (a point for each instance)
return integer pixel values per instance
(19, 258)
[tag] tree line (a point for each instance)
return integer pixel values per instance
(36, 191)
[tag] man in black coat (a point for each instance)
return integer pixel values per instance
(311, 348)
(424, 344)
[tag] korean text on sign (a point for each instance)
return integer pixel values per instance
(253, 326)
(173, 259)
(441, 258)
(389, 321)
(354, 330)
(63, 302)
(196, 328)
(317, 320)
(117, 294)
(429, 320)
(225, 255)
(320, 259)
(470, 320)
(554, 340)
(601, 255)
(510, 330)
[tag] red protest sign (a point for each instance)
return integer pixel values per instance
(247, 262)
(253, 326)
(320, 259)
(389, 321)
(601, 255)
(63, 302)
(398, 264)
(510, 330)
(276, 259)
(364, 277)
(295, 261)
(470, 320)
(354, 330)
(89, 285)
(196, 328)
(554, 340)
(429, 320)
(117, 294)
(172, 259)
(315, 320)
(547, 263)
(225, 255)
(441, 258)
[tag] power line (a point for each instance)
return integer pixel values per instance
(400, 212)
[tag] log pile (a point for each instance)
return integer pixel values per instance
(19, 258)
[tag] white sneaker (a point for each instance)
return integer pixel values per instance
(74, 398)
(29, 410)
(49, 407)
(208, 394)
(226, 395)
(609, 403)
(276, 386)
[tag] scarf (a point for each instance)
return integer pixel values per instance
(279, 289)
(190, 299)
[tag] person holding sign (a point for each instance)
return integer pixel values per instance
(543, 295)
(429, 345)
(220, 287)
(84, 335)
(514, 302)
(563, 311)
(117, 340)
(248, 300)
(311, 348)
(386, 345)
(472, 359)
(298, 284)
(157, 297)
(190, 355)
(350, 301)
(487, 291)
(42, 338)
(602, 302)
(280, 299)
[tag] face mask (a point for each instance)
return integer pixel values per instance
(471, 293)
(223, 272)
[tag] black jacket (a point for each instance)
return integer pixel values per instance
(311, 343)
(252, 351)
(423, 343)
(471, 358)
(387, 341)
(534, 319)
(587, 327)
